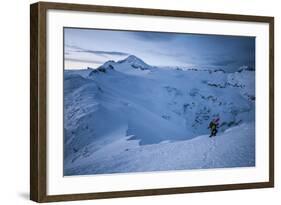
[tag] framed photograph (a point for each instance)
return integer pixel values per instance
(134, 102)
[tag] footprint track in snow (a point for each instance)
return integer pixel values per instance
(206, 156)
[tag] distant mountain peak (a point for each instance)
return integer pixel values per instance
(130, 64)
(135, 62)
(103, 68)
(245, 68)
(133, 58)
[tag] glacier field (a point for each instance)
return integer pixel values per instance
(128, 116)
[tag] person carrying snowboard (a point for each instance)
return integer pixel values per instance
(213, 127)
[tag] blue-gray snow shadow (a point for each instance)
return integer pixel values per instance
(155, 129)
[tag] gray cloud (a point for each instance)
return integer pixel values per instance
(170, 53)
(83, 61)
(97, 52)
(223, 62)
(153, 36)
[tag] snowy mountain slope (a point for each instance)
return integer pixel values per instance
(130, 66)
(233, 148)
(147, 105)
(245, 82)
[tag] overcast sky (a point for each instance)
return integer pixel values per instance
(92, 47)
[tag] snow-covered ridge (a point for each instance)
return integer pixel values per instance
(135, 62)
(245, 68)
(130, 65)
(234, 148)
(146, 105)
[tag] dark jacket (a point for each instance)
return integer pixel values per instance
(213, 125)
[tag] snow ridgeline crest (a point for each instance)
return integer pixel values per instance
(132, 102)
(137, 63)
(131, 61)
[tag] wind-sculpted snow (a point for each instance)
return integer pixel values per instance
(234, 148)
(137, 104)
